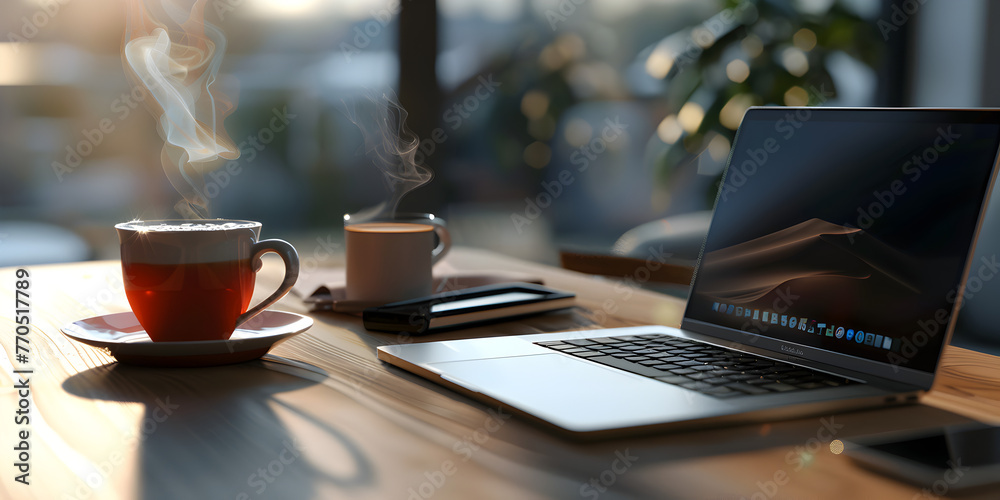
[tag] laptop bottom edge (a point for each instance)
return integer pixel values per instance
(787, 411)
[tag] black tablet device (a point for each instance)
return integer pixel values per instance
(461, 307)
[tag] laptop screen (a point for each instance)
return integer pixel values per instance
(848, 229)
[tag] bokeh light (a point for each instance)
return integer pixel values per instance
(534, 104)
(669, 131)
(737, 70)
(732, 113)
(836, 447)
(796, 96)
(804, 39)
(690, 116)
(795, 61)
(537, 154)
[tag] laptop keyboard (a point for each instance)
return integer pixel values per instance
(697, 366)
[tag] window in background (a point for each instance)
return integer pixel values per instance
(81, 153)
(555, 125)
(610, 114)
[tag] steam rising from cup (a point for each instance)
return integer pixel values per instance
(177, 64)
(392, 148)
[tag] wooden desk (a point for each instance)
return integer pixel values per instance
(320, 417)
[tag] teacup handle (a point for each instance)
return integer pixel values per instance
(291, 258)
(444, 243)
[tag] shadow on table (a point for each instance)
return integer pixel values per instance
(215, 432)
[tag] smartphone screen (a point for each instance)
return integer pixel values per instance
(486, 300)
(463, 307)
(974, 446)
(957, 457)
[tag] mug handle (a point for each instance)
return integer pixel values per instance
(444, 243)
(291, 258)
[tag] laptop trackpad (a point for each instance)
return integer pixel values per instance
(576, 394)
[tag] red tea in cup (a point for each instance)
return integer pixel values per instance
(193, 280)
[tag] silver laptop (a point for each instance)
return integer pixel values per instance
(829, 280)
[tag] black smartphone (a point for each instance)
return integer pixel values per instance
(945, 460)
(463, 307)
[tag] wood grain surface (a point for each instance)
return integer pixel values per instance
(320, 417)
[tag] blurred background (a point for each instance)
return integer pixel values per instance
(549, 124)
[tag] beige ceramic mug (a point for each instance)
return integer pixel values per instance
(390, 259)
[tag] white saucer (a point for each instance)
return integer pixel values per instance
(122, 336)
